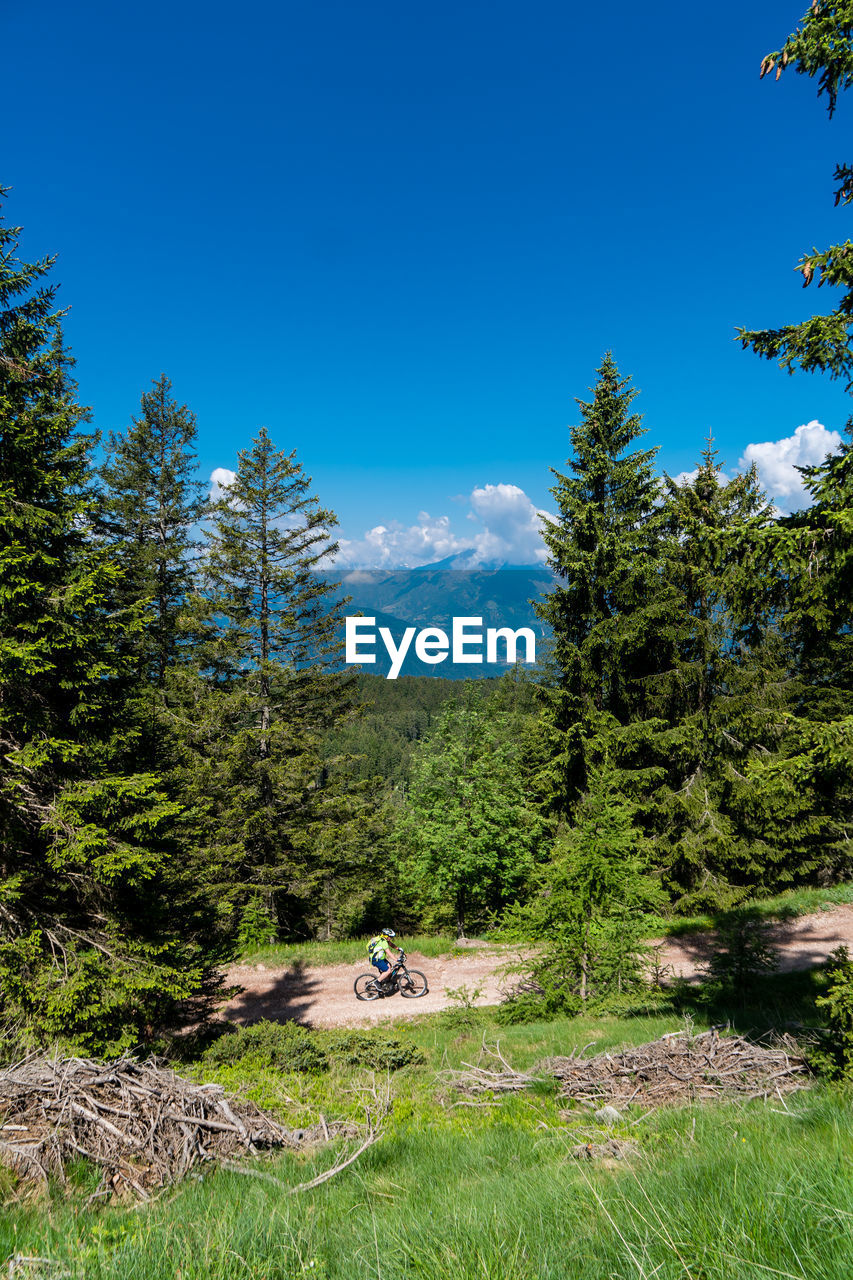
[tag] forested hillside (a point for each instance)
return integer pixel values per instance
(188, 769)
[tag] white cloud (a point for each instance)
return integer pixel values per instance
(777, 460)
(688, 477)
(220, 478)
(512, 526)
(395, 545)
(509, 532)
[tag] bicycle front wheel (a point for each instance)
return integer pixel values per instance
(412, 983)
(365, 987)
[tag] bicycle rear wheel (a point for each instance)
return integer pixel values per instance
(365, 987)
(412, 983)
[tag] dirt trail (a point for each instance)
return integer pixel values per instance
(322, 996)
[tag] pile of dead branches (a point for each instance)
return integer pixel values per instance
(141, 1123)
(677, 1069)
(681, 1068)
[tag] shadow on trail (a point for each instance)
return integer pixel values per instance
(801, 943)
(289, 999)
(776, 1002)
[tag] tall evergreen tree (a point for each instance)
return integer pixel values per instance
(821, 46)
(720, 697)
(153, 502)
(608, 611)
(86, 947)
(801, 801)
(268, 691)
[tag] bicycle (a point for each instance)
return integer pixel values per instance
(411, 983)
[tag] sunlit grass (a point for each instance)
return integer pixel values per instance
(347, 951)
(794, 902)
(729, 1192)
(781, 906)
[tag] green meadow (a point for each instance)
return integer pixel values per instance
(728, 1191)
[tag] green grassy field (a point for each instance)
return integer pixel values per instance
(731, 1191)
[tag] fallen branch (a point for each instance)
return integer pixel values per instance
(678, 1068)
(375, 1130)
(159, 1127)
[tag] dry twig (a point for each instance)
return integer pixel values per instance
(678, 1068)
(141, 1123)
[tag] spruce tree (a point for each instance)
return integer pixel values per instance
(822, 47)
(608, 611)
(584, 923)
(87, 949)
(720, 697)
(802, 801)
(152, 504)
(267, 691)
(800, 805)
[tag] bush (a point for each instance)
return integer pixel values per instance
(744, 954)
(835, 1055)
(283, 1045)
(527, 1004)
(258, 927)
(376, 1049)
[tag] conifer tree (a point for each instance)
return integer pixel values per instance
(821, 46)
(608, 609)
(152, 503)
(721, 695)
(267, 692)
(801, 801)
(584, 921)
(86, 947)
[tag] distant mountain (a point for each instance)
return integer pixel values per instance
(431, 596)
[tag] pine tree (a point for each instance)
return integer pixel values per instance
(821, 46)
(584, 924)
(86, 947)
(267, 692)
(721, 696)
(800, 803)
(608, 611)
(152, 504)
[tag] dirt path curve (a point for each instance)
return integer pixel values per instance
(322, 996)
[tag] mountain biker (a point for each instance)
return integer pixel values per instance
(377, 949)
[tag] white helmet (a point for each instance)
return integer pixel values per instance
(389, 933)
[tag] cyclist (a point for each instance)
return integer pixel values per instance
(377, 949)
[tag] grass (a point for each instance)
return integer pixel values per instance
(725, 1192)
(345, 951)
(781, 906)
(733, 1191)
(745, 1191)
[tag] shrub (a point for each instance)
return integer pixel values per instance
(258, 927)
(835, 1055)
(745, 952)
(376, 1049)
(283, 1045)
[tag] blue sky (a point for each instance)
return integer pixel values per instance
(402, 237)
